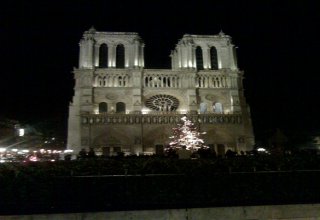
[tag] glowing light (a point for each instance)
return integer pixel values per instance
(68, 151)
(145, 111)
(185, 64)
(21, 132)
(25, 151)
(14, 150)
(186, 135)
(219, 64)
(2, 149)
(261, 149)
(183, 111)
(33, 158)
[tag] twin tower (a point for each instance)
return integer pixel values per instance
(119, 106)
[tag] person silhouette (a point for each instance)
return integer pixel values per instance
(183, 153)
(82, 154)
(91, 153)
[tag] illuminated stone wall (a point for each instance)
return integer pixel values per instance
(216, 90)
(284, 212)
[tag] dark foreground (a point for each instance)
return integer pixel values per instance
(156, 183)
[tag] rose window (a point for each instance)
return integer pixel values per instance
(164, 103)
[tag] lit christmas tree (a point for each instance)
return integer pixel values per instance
(186, 134)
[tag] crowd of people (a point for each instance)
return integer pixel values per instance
(182, 153)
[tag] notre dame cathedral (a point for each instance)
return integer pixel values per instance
(118, 105)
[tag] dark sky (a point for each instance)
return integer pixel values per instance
(278, 49)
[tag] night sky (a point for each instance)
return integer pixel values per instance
(278, 49)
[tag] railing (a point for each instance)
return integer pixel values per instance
(113, 80)
(166, 79)
(205, 80)
(168, 118)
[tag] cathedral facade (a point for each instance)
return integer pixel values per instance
(119, 106)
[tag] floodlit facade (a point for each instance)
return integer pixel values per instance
(118, 105)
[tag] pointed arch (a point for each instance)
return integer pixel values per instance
(214, 58)
(103, 107)
(120, 107)
(199, 58)
(103, 56)
(120, 56)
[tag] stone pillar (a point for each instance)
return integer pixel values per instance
(179, 56)
(184, 56)
(136, 91)
(142, 55)
(90, 45)
(96, 55)
(219, 57)
(82, 53)
(127, 56)
(233, 57)
(205, 57)
(74, 119)
(189, 57)
(191, 81)
(112, 55)
(136, 54)
(74, 128)
(208, 58)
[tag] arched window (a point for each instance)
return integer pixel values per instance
(103, 56)
(103, 107)
(214, 58)
(120, 107)
(199, 58)
(100, 80)
(120, 80)
(120, 56)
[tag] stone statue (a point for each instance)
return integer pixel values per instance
(203, 107)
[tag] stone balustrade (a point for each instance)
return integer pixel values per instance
(164, 118)
(162, 79)
(165, 79)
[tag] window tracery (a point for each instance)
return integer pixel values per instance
(165, 103)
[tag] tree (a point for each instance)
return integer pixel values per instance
(186, 134)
